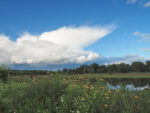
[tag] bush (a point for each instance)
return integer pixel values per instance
(4, 73)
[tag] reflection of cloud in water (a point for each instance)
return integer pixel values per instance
(131, 87)
(128, 87)
(113, 87)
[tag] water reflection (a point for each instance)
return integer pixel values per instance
(128, 83)
(128, 87)
(136, 82)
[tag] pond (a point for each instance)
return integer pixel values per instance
(136, 84)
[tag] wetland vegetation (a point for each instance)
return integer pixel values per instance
(76, 94)
(54, 92)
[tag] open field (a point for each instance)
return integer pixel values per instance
(54, 94)
(115, 75)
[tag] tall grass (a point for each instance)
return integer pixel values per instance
(54, 94)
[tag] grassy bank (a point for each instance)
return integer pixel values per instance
(54, 94)
(114, 75)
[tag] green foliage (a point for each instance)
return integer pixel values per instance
(138, 67)
(111, 68)
(4, 70)
(148, 66)
(30, 72)
(85, 69)
(54, 94)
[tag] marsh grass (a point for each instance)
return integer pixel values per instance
(76, 94)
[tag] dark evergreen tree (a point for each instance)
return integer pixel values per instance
(148, 65)
(138, 67)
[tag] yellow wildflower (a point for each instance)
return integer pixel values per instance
(86, 87)
(105, 105)
(107, 98)
(80, 77)
(109, 92)
(82, 98)
(106, 94)
(136, 97)
(102, 87)
(102, 79)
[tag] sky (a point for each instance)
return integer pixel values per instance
(55, 34)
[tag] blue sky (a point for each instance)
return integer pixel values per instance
(126, 21)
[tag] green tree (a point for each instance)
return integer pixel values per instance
(102, 69)
(94, 68)
(138, 67)
(123, 68)
(148, 65)
(112, 68)
(84, 69)
(4, 69)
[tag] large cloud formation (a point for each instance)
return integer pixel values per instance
(64, 45)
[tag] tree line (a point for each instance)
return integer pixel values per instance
(111, 68)
(83, 69)
(5, 72)
(29, 72)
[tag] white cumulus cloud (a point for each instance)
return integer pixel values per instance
(147, 4)
(63, 45)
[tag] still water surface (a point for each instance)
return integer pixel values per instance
(136, 84)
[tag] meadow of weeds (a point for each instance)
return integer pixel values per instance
(55, 94)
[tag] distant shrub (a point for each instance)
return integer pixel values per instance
(4, 73)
